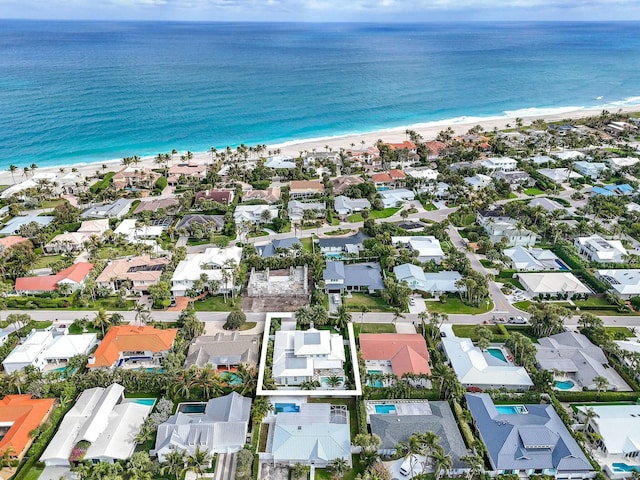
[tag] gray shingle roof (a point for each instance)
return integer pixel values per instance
(355, 275)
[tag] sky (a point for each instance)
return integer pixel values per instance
(324, 10)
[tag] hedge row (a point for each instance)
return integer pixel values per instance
(361, 413)
(596, 284)
(592, 396)
(21, 302)
(161, 183)
(467, 433)
(102, 184)
(568, 257)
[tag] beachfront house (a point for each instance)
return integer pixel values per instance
(599, 250)
(280, 162)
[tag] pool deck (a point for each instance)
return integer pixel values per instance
(402, 407)
(607, 464)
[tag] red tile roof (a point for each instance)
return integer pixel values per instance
(401, 146)
(220, 196)
(76, 273)
(436, 147)
(381, 178)
(407, 352)
(10, 241)
(25, 414)
(397, 174)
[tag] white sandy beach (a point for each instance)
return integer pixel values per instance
(428, 131)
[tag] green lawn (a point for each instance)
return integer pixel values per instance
(359, 328)
(52, 203)
(34, 473)
(358, 300)
(195, 242)
(261, 233)
(460, 220)
(339, 231)
(455, 305)
(214, 304)
(46, 261)
(429, 207)
(619, 332)
(592, 302)
(468, 331)
(524, 306)
(533, 191)
(307, 244)
(386, 213)
(523, 329)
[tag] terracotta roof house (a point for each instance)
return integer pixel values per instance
(393, 179)
(270, 195)
(19, 416)
(73, 276)
(404, 353)
(305, 188)
(171, 205)
(11, 241)
(129, 343)
(141, 272)
(340, 184)
(406, 145)
(435, 147)
(135, 177)
(214, 195)
(175, 172)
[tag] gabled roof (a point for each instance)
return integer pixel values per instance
(214, 195)
(24, 414)
(188, 220)
(269, 250)
(75, 273)
(334, 242)
(407, 352)
(129, 338)
(223, 349)
(552, 282)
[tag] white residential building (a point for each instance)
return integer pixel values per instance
(624, 283)
(559, 175)
(280, 161)
(434, 283)
(296, 209)
(302, 355)
(140, 233)
(500, 164)
(428, 247)
(396, 197)
(478, 181)
(590, 169)
(597, 249)
(533, 259)
(74, 241)
(254, 214)
(617, 163)
(421, 173)
(511, 231)
(346, 206)
(212, 262)
(554, 284)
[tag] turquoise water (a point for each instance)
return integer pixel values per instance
(511, 409)
(497, 353)
(231, 378)
(564, 384)
(91, 91)
(375, 383)
(623, 467)
(154, 370)
(286, 407)
(192, 407)
(144, 401)
(385, 409)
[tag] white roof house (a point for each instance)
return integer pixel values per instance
(590, 169)
(559, 175)
(211, 262)
(500, 164)
(396, 197)
(117, 209)
(44, 347)
(619, 428)
(221, 428)
(134, 234)
(316, 435)
(569, 155)
(548, 204)
(625, 283)
(103, 417)
(433, 283)
(346, 206)
(253, 213)
(428, 247)
(72, 241)
(478, 181)
(280, 161)
(597, 249)
(424, 173)
(476, 368)
(298, 355)
(532, 259)
(552, 283)
(617, 163)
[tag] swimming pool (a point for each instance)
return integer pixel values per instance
(623, 467)
(375, 383)
(385, 408)
(286, 407)
(231, 378)
(196, 407)
(333, 255)
(497, 353)
(154, 370)
(562, 266)
(511, 409)
(144, 401)
(564, 384)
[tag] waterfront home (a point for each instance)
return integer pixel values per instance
(72, 277)
(346, 206)
(117, 209)
(559, 175)
(279, 247)
(217, 264)
(435, 283)
(48, 349)
(221, 428)
(12, 227)
(528, 439)
(134, 273)
(396, 197)
(303, 355)
(105, 420)
(74, 241)
(185, 170)
(269, 195)
(305, 188)
(223, 351)
(315, 435)
(357, 277)
(599, 250)
(395, 353)
(134, 177)
(428, 247)
(335, 246)
(435, 148)
(477, 368)
(20, 415)
(280, 162)
(623, 283)
(296, 210)
(222, 196)
(533, 259)
(211, 223)
(132, 346)
(170, 205)
(254, 214)
(500, 164)
(590, 169)
(387, 180)
(578, 359)
(554, 284)
(341, 184)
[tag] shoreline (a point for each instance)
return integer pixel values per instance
(428, 131)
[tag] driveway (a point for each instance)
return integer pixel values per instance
(419, 305)
(335, 300)
(225, 466)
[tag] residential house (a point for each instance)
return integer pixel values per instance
(20, 415)
(315, 435)
(72, 278)
(388, 180)
(279, 247)
(415, 417)
(303, 355)
(345, 206)
(48, 349)
(280, 162)
(578, 359)
(305, 188)
(223, 351)
(624, 283)
(130, 345)
(117, 209)
(477, 368)
(341, 184)
(528, 439)
(74, 241)
(223, 196)
(34, 182)
(427, 246)
(104, 419)
(396, 197)
(365, 156)
(515, 178)
(254, 214)
(511, 231)
(336, 246)
(533, 259)
(217, 264)
(6, 243)
(569, 155)
(613, 190)
(270, 195)
(221, 428)
(618, 163)
(542, 160)
(433, 283)
(170, 205)
(500, 164)
(558, 175)
(599, 250)
(395, 353)
(296, 210)
(134, 273)
(421, 173)
(406, 145)
(212, 223)
(12, 227)
(135, 177)
(435, 148)
(553, 284)
(590, 169)
(356, 277)
(134, 232)
(478, 181)
(185, 170)
(547, 204)
(312, 157)
(440, 190)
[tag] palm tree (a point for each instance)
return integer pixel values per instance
(588, 415)
(101, 320)
(343, 318)
(13, 169)
(173, 463)
(397, 313)
(338, 466)
(475, 464)
(334, 381)
(364, 309)
(198, 462)
(442, 463)
(601, 384)
(16, 379)
(309, 385)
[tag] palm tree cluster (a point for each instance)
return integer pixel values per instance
(427, 445)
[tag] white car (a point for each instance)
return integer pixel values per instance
(412, 301)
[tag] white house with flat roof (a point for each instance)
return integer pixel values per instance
(590, 169)
(597, 249)
(254, 214)
(212, 262)
(624, 283)
(500, 164)
(428, 247)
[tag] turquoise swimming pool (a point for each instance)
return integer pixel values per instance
(385, 408)
(231, 378)
(144, 401)
(511, 409)
(564, 384)
(375, 383)
(497, 353)
(623, 467)
(286, 407)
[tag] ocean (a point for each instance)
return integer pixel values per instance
(91, 91)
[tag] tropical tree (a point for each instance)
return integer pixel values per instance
(474, 464)
(198, 462)
(174, 463)
(601, 384)
(13, 169)
(342, 318)
(338, 466)
(300, 470)
(442, 463)
(101, 320)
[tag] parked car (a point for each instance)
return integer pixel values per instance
(412, 301)
(518, 320)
